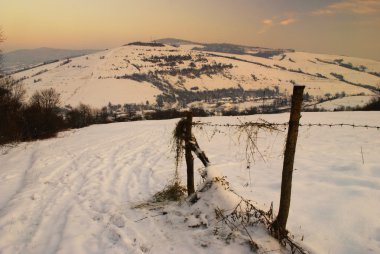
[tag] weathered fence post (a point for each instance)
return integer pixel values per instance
(188, 155)
(279, 225)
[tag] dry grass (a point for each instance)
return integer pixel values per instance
(174, 191)
(178, 143)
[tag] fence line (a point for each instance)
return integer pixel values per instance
(285, 125)
(277, 227)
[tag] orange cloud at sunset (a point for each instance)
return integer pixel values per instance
(354, 6)
(288, 21)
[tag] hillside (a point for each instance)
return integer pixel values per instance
(188, 75)
(89, 190)
(26, 58)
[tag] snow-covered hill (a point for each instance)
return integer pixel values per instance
(86, 190)
(27, 58)
(175, 76)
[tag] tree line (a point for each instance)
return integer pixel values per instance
(40, 116)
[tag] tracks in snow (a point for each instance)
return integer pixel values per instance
(83, 181)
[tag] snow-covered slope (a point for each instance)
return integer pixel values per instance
(27, 58)
(86, 190)
(137, 74)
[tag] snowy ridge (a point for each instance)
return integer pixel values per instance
(139, 74)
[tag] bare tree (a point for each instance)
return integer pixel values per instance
(11, 92)
(47, 99)
(80, 116)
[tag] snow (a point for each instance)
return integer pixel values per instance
(90, 79)
(352, 101)
(88, 190)
(117, 91)
(79, 80)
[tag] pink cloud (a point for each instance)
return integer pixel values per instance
(268, 22)
(362, 7)
(288, 21)
(276, 21)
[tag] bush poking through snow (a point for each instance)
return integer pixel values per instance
(172, 192)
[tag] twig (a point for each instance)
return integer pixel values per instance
(163, 213)
(250, 215)
(141, 219)
(361, 149)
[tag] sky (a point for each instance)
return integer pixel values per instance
(344, 27)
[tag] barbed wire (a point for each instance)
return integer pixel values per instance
(265, 124)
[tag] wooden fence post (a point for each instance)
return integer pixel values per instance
(279, 225)
(188, 155)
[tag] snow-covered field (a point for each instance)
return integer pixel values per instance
(86, 190)
(350, 101)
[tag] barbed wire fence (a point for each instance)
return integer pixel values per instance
(250, 130)
(265, 124)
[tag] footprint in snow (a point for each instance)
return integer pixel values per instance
(117, 220)
(97, 217)
(113, 236)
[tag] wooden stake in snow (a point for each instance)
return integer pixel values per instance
(279, 225)
(183, 135)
